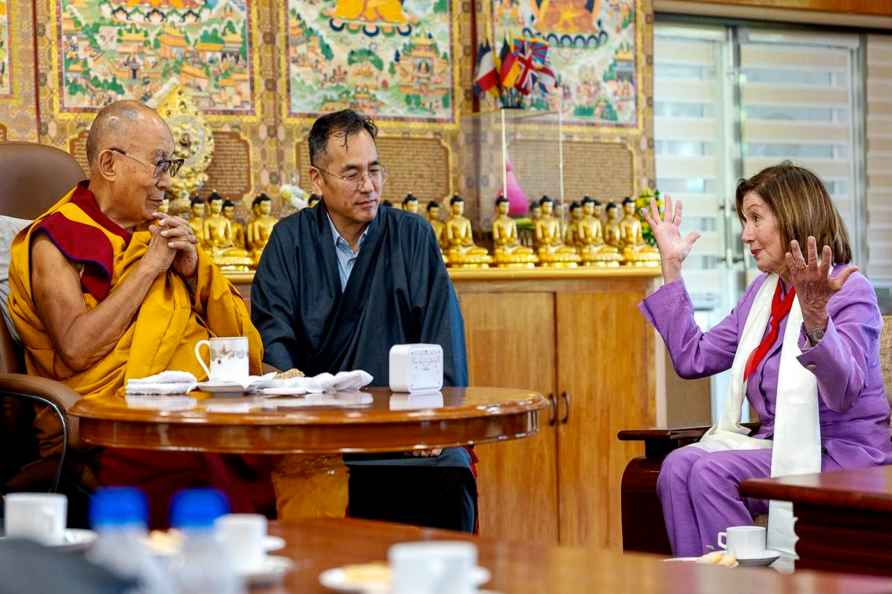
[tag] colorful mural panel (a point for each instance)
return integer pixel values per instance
(5, 74)
(592, 48)
(389, 58)
(117, 49)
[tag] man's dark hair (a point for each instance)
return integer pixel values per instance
(262, 197)
(544, 199)
(501, 199)
(455, 198)
(409, 198)
(387, 204)
(432, 205)
(341, 125)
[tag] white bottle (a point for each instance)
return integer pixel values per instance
(118, 515)
(202, 566)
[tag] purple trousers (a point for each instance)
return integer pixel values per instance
(699, 494)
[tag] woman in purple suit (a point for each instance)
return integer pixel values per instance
(817, 388)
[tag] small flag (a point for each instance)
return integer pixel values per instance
(487, 78)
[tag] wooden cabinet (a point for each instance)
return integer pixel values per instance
(577, 337)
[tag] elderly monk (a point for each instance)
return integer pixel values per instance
(340, 284)
(802, 345)
(105, 288)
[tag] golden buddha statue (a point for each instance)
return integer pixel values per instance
(433, 217)
(410, 204)
(196, 219)
(238, 230)
(612, 234)
(571, 232)
(551, 249)
(508, 251)
(591, 246)
(261, 227)
(635, 250)
(535, 211)
(462, 253)
(221, 241)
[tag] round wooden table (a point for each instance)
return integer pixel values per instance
(260, 425)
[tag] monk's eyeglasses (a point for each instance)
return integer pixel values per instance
(171, 166)
(356, 178)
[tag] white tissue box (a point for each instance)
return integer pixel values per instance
(416, 367)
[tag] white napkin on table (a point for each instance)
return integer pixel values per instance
(166, 382)
(343, 381)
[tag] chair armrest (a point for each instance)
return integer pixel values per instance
(50, 390)
(659, 441)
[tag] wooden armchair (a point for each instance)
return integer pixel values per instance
(642, 516)
(32, 178)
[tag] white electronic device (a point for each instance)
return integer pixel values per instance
(416, 367)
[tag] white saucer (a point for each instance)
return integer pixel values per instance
(272, 570)
(222, 387)
(74, 539)
(766, 558)
(336, 579)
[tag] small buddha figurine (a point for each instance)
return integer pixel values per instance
(635, 249)
(508, 251)
(571, 232)
(220, 240)
(535, 211)
(410, 204)
(591, 246)
(238, 230)
(613, 236)
(433, 217)
(261, 227)
(312, 201)
(462, 253)
(551, 249)
(196, 219)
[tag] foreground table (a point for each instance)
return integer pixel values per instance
(521, 568)
(844, 517)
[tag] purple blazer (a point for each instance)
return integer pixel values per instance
(853, 407)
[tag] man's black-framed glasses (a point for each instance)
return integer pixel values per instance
(356, 177)
(170, 166)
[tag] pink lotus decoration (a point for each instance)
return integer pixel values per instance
(517, 199)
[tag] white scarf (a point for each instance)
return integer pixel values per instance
(797, 432)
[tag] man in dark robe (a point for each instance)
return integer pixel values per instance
(340, 284)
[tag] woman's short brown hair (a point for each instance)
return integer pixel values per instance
(802, 206)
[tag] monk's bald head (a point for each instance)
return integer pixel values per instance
(117, 124)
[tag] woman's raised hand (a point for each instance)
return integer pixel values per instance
(673, 247)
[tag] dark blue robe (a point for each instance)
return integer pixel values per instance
(398, 292)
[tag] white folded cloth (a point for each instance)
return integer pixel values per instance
(338, 400)
(166, 382)
(343, 381)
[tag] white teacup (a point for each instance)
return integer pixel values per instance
(744, 542)
(435, 567)
(38, 516)
(229, 358)
(242, 536)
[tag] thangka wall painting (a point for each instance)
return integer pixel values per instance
(120, 49)
(5, 74)
(392, 59)
(592, 49)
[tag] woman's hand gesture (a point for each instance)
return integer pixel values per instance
(673, 247)
(813, 283)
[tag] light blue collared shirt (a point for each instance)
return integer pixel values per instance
(346, 255)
